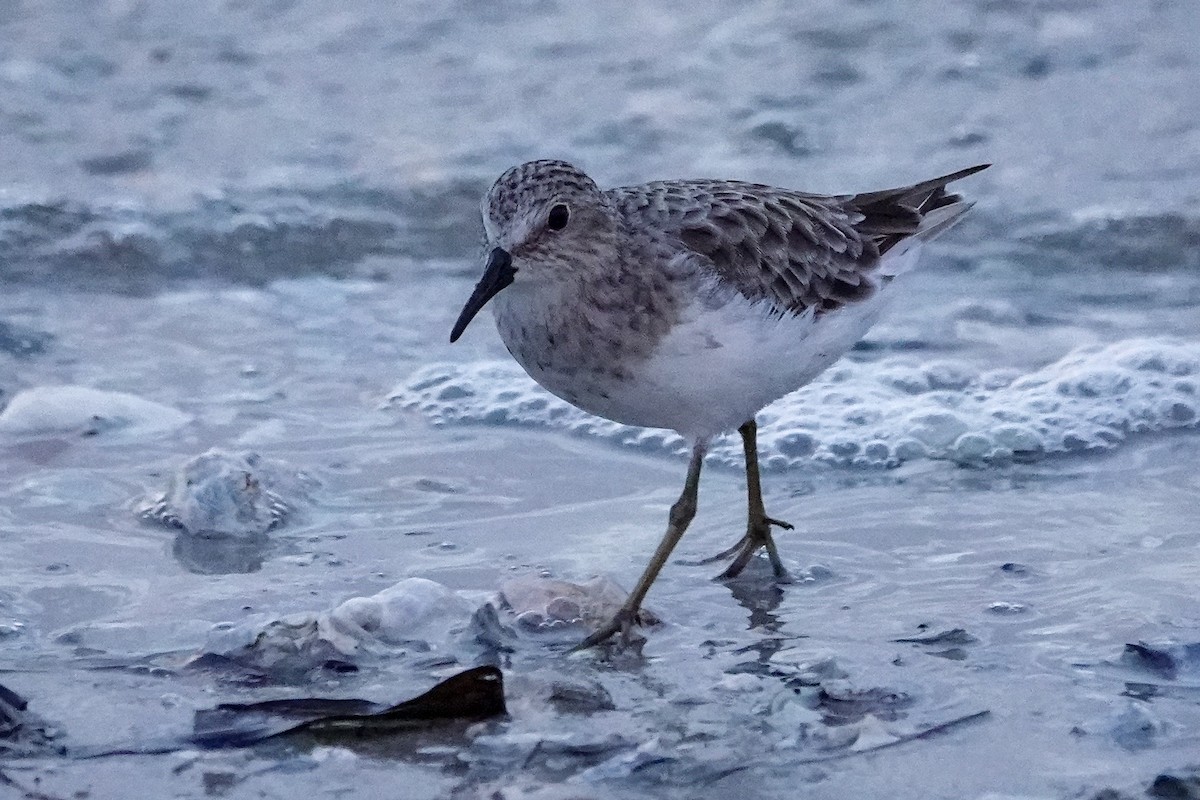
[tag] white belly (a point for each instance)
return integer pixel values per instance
(719, 367)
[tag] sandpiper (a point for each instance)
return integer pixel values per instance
(691, 305)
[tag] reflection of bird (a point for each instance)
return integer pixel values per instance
(691, 304)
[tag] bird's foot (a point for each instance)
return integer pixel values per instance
(757, 537)
(620, 626)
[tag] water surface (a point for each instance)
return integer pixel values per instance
(263, 216)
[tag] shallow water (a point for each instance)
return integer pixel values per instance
(262, 216)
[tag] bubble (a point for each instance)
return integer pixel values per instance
(877, 451)
(947, 375)
(844, 450)
(796, 445)
(453, 392)
(910, 450)
(937, 429)
(1018, 438)
(972, 447)
(1181, 412)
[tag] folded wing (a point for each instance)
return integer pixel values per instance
(795, 251)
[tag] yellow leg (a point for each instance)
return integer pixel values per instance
(758, 524)
(681, 514)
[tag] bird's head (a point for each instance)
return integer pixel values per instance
(544, 220)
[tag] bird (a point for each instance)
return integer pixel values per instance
(690, 305)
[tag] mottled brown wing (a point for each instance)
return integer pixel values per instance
(793, 250)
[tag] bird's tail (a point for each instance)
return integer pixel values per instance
(941, 219)
(919, 212)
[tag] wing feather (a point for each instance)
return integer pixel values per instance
(794, 250)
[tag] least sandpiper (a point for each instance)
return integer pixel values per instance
(691, 304)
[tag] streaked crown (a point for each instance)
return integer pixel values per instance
(532, 183)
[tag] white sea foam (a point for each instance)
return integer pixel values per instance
(81, 410)
(882, 413)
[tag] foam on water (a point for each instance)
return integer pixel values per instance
(882, 413)
(84, 411)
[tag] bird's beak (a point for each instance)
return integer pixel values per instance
(497, 274)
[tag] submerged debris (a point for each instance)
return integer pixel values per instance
(1182, 786)
(1135, 727)
(955, 637)
(468, 696)
(218, 493)
(23, 733)
(415, 614)
(1166, 660)
(580, 696)
(1154, 669)
(546, 604)
(475, 694)
(873, 736)
(22, 342)
(841, 703)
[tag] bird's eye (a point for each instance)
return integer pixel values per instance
(559, 216)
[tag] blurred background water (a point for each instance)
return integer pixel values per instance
(261, 217)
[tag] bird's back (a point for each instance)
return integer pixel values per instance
(796, 251)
